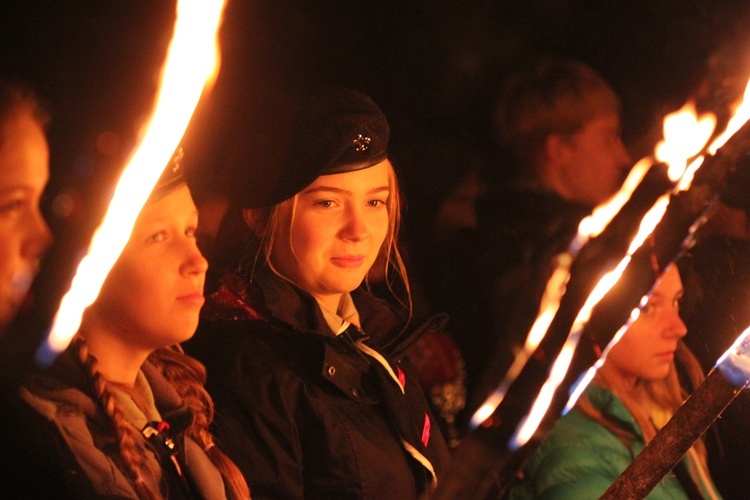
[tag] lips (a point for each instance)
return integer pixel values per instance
(666, 356)
(348, 260)
(194, 298)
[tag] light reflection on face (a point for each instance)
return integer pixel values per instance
(338, 227)
(646, 351)
(24, 235)
(153, 294)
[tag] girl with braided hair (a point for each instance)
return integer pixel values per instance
(129, 404)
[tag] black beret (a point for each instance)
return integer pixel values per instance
(323, 130)
(171, 178)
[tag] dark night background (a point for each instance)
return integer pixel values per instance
(432, 65)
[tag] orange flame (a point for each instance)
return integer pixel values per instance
(677, 134)
(191, 64)
(560, 367)
(590, 227)
(685, 135)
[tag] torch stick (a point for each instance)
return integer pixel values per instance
(487, 452)
(728, 378)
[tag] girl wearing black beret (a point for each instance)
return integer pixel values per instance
(314, 396)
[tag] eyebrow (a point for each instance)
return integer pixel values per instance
(16, 187)
(680, 292)
(164, 218)
(331, 189)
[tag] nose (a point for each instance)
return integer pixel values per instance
(622, 155)
(195, 263)
(675, 327)
(355, 226)
(39, 237)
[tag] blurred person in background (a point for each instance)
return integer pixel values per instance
(558, 130)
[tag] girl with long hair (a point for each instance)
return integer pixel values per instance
(305, 356)
(129, 405)
(633, 394)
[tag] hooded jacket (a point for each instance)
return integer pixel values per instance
(306, 413)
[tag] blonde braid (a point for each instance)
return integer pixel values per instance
(126, 434)
(188, 377)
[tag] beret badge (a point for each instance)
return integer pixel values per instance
(361, 143)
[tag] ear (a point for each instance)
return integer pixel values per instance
(254, 220)
(556, 149)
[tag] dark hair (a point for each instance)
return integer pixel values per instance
(555, 96)
(15, 98)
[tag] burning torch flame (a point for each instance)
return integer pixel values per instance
(192, 61)
(588, 228)
(685, 135)
(741, 115)
(559, 369)
(734, 364)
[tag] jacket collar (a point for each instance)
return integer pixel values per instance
(67, 379)
(274, 300)
(613, 408)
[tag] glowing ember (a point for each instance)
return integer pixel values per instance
(191, 63)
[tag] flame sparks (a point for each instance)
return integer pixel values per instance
(192, 62)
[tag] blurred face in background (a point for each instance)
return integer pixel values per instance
(592, 163)
(24, 235)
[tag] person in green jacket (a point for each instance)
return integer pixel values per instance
(633, 394)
